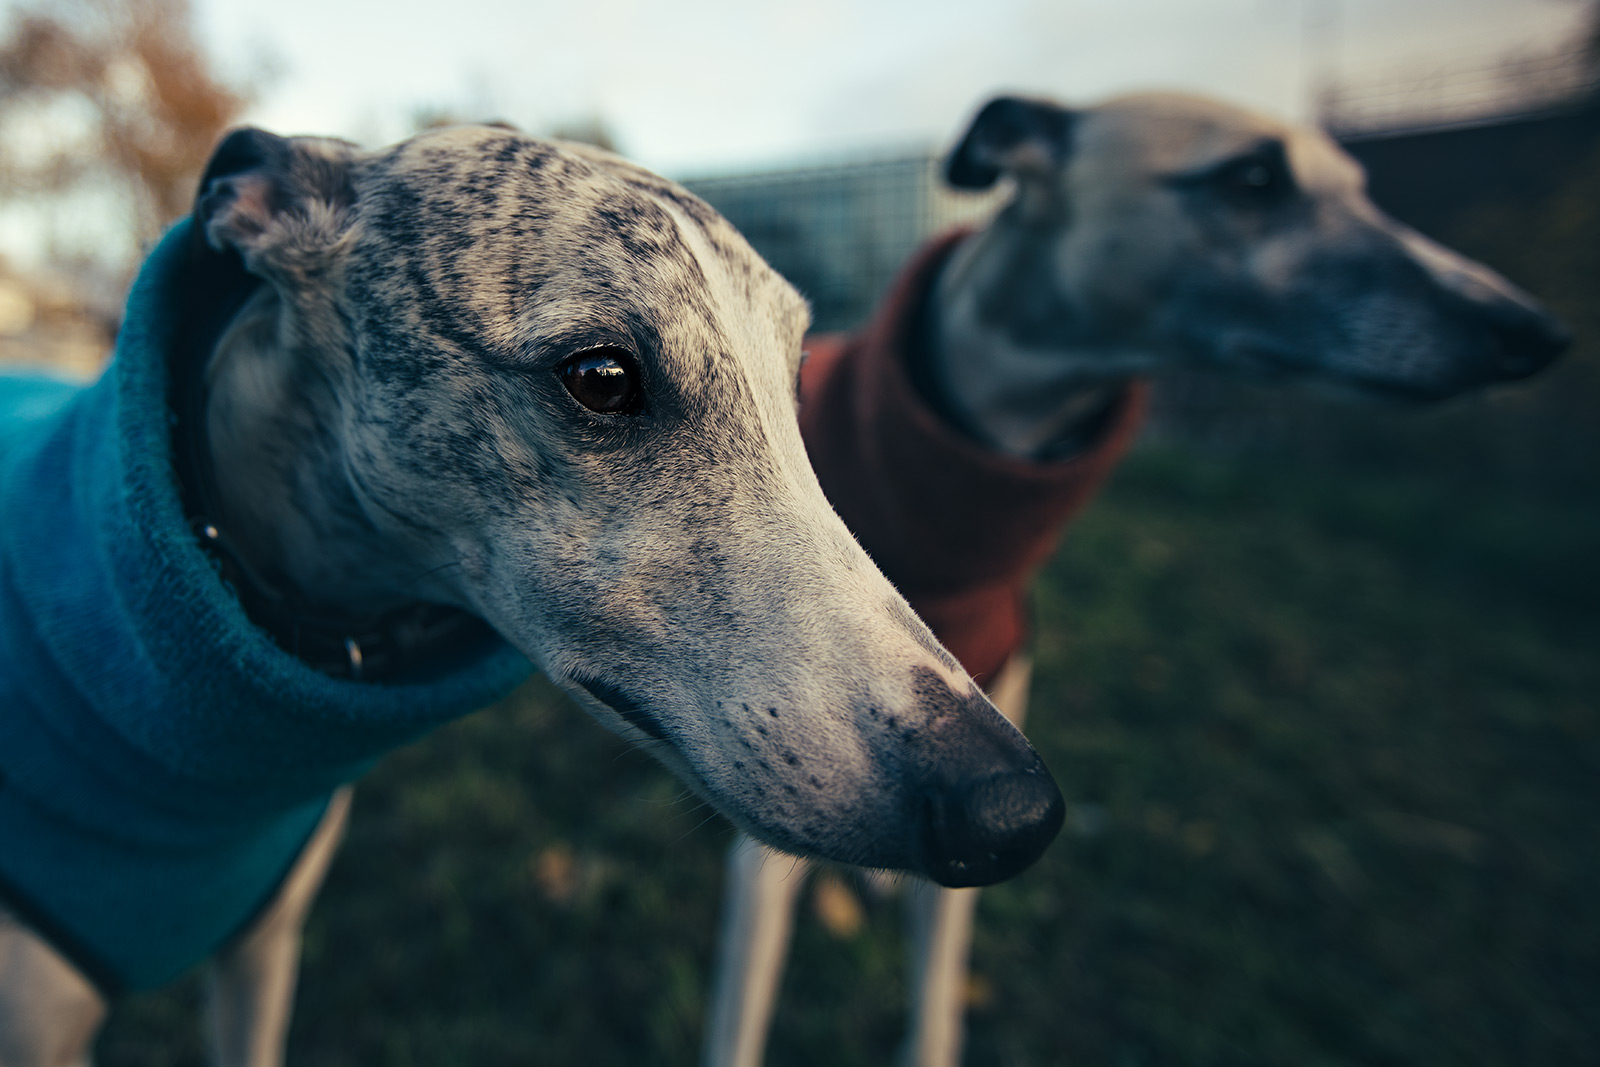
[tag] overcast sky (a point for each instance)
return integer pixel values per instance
(699, 86)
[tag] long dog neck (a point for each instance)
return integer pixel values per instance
(278, 505)
(1010, 359)
(269, 431)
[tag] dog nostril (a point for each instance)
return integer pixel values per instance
(1529, 345)
(978, 833)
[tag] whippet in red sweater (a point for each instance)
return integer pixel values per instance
(1000, 381)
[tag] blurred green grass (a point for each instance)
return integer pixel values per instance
(1333, 749)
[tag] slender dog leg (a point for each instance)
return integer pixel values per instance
(49, 1013)
(252, 983)
(940, 926)
(759, 903)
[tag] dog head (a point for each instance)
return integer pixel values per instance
(544, 385)
(1157, 229)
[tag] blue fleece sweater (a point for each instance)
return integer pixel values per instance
(162, 761)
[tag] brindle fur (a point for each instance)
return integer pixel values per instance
(386, 424)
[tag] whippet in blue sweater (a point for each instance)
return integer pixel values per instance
(386, 430)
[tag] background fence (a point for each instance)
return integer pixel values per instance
(840, 232)
(1459, 91)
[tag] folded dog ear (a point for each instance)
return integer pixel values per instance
(1011, 135)
(266, 196)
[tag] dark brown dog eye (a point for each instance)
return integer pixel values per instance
(603, 380)
(1256, 180)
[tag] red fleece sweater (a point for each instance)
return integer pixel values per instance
(960, 530)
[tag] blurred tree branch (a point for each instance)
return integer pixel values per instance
(114, 92)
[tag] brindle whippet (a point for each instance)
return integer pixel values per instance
(540, 388)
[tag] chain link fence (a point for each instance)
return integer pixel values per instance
(839, 233)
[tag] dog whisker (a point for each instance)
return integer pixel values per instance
(697, 826)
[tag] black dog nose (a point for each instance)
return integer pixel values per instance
(988, 805)
(978, 833)
(1526, 340)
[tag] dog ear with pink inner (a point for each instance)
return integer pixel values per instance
(275, 200)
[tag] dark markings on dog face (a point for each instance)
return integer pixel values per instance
(446, 282)
(1256, 179)
(717, 230)
(736, 255)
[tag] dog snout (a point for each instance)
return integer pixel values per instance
(1520, 335)
(1525, 340)
(989, 805)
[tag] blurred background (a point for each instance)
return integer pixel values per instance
(1320, 680)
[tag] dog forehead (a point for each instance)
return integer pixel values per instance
(1160, 134)
(1169, 133)
(1321, 166)
(504, 238)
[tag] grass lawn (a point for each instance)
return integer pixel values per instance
(1332, 747)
